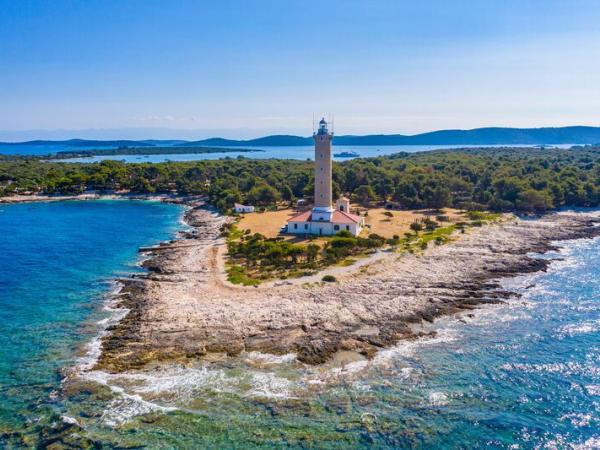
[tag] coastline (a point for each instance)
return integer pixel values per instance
(14, 199)
(183, 309)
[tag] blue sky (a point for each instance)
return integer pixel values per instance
(248, 68)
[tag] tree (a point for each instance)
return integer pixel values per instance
(286, 193)
(532, 200)
(263, 195)
(437, 197)
(365, 194)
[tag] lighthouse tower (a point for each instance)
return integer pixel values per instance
(323, 209)
(323, 219)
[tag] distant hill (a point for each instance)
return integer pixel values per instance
(267, 141)
(162, 142)
(478, 136)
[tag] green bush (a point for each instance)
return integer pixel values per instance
(416, 226)
(329, 279)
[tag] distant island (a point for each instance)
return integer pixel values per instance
(66, 154)
(85, 143)
(477, 136)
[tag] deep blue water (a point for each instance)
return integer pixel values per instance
(56, 261)
(525, 374)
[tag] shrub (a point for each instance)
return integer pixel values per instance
(329, 279)
(476, 215)
(430, 225)
(416, 226)
(393, 242)
(388, 213)
(342, 242)
(442, 218)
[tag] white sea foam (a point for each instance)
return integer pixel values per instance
(270, 386)
(570, 368)
(588, 326)
(124, 406)
(174, 387)
(593, 389)
(409, 349)
(69, 420)
(438, 399)
(271, 359)
(578, 419)
(94, 347)
(592, 443)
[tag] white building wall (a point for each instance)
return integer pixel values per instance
(322, 228)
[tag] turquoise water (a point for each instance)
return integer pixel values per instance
(56, 263)
(521, 375)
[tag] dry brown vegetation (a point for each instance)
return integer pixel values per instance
(398, 223)
(269, 223)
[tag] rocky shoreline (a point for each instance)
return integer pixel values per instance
(183, 310)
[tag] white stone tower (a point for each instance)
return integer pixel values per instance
(323, 209)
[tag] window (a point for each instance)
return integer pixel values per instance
(306, 226)
(348, 227)
(336, 227)
(295, 226)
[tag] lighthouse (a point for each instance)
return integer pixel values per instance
(322, 209)
(323, 219)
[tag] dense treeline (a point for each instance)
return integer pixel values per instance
(496, 179)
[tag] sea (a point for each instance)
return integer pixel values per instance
(270, 152)
(521, 375)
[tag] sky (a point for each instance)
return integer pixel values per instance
(241, 69)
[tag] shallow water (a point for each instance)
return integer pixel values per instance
(521, 375)
(56, 265)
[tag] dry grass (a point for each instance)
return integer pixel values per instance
(400, 221)
(268, 223)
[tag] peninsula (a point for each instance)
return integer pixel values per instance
(184, 309)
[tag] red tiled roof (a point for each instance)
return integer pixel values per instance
(344, 217)
(302, 217)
